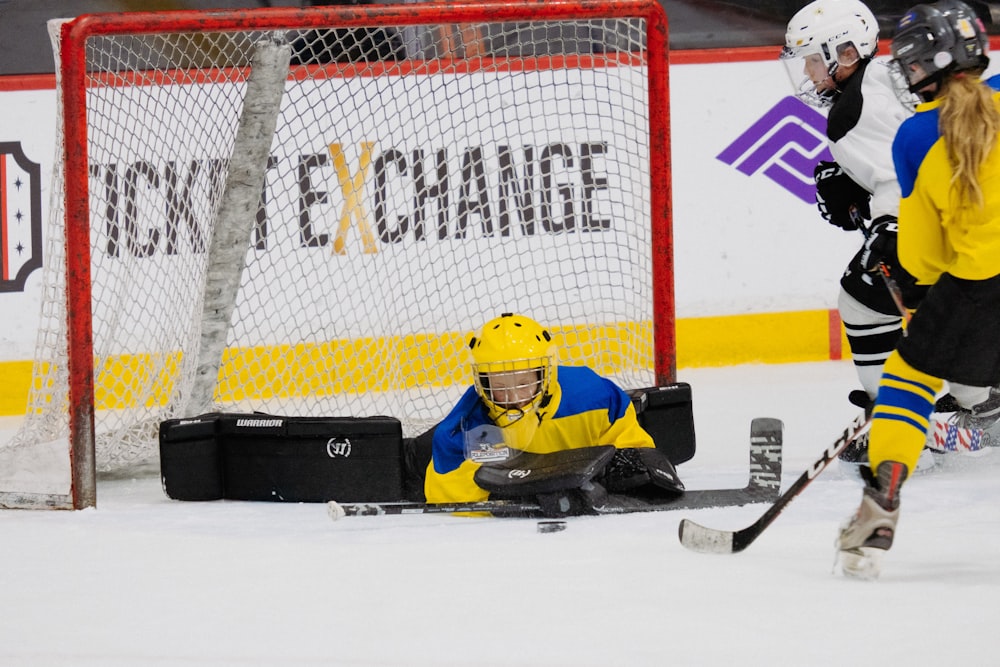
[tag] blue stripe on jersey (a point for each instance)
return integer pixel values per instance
(584, 390)
(449, 441)
(914, 139)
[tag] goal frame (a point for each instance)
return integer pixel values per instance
(73, 36)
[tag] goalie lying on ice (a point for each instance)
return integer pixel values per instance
(528, 427)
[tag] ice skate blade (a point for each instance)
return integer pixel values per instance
(863, 563)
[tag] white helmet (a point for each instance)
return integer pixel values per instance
(821, 32)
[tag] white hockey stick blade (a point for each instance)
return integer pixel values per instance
(700, 538)
(335, 511)
(696, 537)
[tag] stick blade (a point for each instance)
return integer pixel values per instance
(698, 538)
(335, 510)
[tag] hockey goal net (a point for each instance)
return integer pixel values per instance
(308, 212)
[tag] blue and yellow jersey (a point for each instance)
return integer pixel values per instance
(934, 236)
(585, 410)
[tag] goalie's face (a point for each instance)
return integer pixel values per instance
(513, 398)
(513, 390)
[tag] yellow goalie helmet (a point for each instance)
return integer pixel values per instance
(513, 366)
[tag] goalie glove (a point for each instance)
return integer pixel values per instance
(646, 469)
(840, 200)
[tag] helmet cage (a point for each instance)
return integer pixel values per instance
(827, 29)
(511, 389)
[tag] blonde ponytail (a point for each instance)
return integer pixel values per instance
(969, 124)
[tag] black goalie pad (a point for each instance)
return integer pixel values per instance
(256, 456)
(530, 474)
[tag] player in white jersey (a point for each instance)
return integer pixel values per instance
(829, 53)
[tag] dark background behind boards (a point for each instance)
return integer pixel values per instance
(694, 24)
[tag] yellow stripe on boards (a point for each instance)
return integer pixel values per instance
(772, 338)
(360, 364)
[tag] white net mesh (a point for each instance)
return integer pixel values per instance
(421, 180)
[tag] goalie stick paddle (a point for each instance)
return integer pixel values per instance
(710, 540)
(763, 486)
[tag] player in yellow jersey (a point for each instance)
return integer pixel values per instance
(947, 162)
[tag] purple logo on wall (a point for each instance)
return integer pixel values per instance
(784, 145)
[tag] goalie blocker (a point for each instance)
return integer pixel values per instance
(365, 459)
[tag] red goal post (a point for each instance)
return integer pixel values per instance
(308, 211)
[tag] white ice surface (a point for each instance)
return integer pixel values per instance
(143, 580)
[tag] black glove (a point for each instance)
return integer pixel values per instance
(880, 246)
(839, 198)
(625, 471)
(633, 469)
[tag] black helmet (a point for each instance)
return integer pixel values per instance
(937, 39)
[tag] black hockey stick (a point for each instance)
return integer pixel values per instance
(710, 540)
(763, 486)
(495, 507)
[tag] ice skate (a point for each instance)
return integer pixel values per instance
(855, 456)
(985, 416)
(965, 430)
(866, 536)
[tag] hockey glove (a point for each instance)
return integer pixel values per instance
(880, 246)
(638, 468)
(840, 200)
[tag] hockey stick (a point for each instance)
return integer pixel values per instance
(883, 270)
(710, 540)
(763, 486)
(496, 507)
